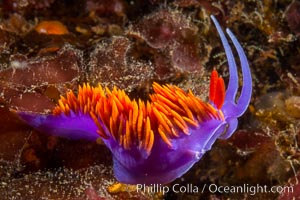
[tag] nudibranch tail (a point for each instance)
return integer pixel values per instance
(73, 126)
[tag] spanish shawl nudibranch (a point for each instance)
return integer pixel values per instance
(159, 140)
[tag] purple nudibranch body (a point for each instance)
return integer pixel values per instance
(157, 141)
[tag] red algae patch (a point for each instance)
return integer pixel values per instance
(172, 37)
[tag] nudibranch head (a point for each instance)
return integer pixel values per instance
(159, 140)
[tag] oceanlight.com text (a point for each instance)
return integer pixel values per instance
(246, 188)
(213, 188)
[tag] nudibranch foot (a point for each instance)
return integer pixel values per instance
(158, 140)
(165, 164)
